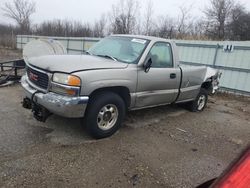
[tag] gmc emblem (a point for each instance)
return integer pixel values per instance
(33, 76)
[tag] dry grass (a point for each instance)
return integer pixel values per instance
(8, 54)
(8, 41)
(233, 96)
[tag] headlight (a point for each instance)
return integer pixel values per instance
(66, 79)
(65, 84)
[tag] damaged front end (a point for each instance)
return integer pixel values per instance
(211, 80)
(46, 92)
(43, 104)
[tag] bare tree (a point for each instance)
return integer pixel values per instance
(197, 29)
(218, 15)
(165, 27)
(148, 23)
(20, 11)
(99, 27)
(64, 28)
(123, 17)
(239, 25)
(183, 23)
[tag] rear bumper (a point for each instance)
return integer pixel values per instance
(71, 107)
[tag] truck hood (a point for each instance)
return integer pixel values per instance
(74, 63)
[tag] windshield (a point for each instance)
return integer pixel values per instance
(124, 49)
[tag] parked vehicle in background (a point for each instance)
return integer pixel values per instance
(236, 175)
(119, 73)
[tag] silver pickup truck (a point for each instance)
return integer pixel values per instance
(119, 73)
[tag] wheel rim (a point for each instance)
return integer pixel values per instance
(201, 102)
(107, 117)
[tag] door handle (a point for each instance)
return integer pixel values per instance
(172, 76)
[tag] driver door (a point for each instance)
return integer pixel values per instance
(160, 84)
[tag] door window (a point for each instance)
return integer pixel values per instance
(161, 55)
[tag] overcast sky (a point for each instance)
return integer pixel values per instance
(90, 10)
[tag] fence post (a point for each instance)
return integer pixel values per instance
(215, 55)
(83, 46)
(12, 40)
(67, 45)
(16, 41)
(21, 41)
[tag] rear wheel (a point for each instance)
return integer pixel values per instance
(199, 104)
(105, 114)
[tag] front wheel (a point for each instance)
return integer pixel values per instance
(199, 104)
(104, 115)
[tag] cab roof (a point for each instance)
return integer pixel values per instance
(151, 38)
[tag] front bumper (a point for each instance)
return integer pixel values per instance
(71, 107)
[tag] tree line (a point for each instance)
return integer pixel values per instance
(222, 20)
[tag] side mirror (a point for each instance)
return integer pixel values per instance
(147, 64)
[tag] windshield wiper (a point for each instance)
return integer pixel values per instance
(108, 56)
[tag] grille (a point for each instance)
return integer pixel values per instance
(38, 78)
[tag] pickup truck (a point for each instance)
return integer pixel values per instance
(119, 73)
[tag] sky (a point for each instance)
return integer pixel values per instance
(91, 10)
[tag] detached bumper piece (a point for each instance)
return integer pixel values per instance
(44, 104)
(27, 103)
(40, 113)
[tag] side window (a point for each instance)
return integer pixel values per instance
(161, 55)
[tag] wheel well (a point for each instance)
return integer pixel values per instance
(123, 92)
(207, 85)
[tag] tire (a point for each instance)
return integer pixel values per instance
(200, 103)
(104, 114)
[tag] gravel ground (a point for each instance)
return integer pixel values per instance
(159, 147)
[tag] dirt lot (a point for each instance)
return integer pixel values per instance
(160, 147)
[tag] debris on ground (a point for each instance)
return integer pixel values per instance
(182, 130)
